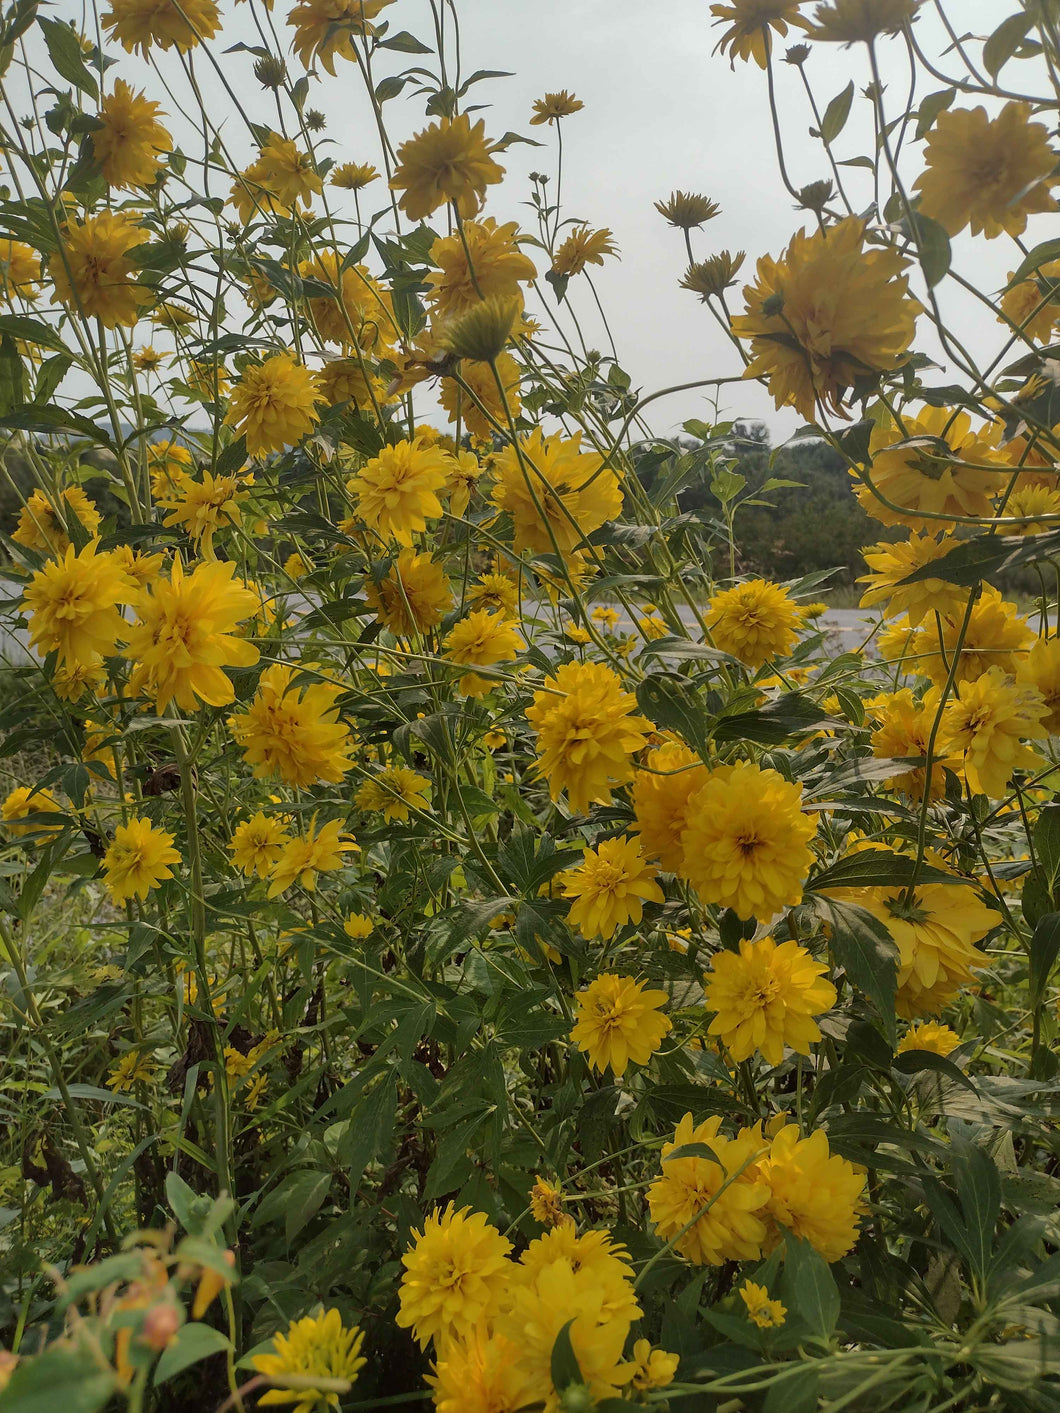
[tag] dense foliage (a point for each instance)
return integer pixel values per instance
(468, 936)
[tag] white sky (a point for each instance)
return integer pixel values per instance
(661, 111)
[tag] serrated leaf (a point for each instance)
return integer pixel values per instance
(866, 951)
(64, 50)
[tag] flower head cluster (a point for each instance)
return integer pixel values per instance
(765, 998)
(316, 1346)
(754, 621)
(586, 733)
(619, 1022)
(292, 729)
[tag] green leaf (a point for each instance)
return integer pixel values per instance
(933, 247)
(53, 419)
(866, 951)
(917, 1061)
(1043, 254)
(192, 1343)
(671, 701)
(1004, 42)
(798, 1392)
(777, 722)
(564, 1364)
(389, 88)
(877, 868)
(836, 114)
(12, 376)
(69, 1379)
(49, 375)
(693, 1150)
(371, 1127)
(808, 1287)
(20, 326)
(930, 107)
(303, 1197)
(1044, 950)
(405, 43)
(64, 50)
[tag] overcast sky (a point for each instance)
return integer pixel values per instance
(661, 112)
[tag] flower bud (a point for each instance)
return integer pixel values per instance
(482, 332)
(160, 1325)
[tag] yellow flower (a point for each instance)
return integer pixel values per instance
(394, 793)
(650, 1368)
(73, 606)
(495, 269)
(606, 615)
(174, 317)
(138, 860)
(137, 24)
(987, 173)
(286, 172)
(619, 1023)
(20, 270)
(455, 1273)
(597, 1308)
(595, 1257)
(496, 591)
(257, 843)
(556, 494)
(1037, 506)
(480, 404)
(148, 360)
(461, 480)
(135, 1067)
(479, 640)
(302, 859)
(932, 475)
(25, 801)
(813, 1193)
(351, 380)
(984, 724)
(748, 35)
(274, 404)
(660, 801)
(996, 636)
(93, 274)
(610, 887)
(555, 106)
(397, 490)
(40, 528)
(293, 729)
(1040, 669)
(732, 1226)
(891, 562)
(847, 21)
(142, 569)
(480, 334)
(184, 636)
(1032, 304)
(937, 1039)
(586, 733)
(766, 997)
(71, 683)
(686, 210)
(903, 731)
(935, 932)
(825, 315)
(130, 138)
(451, 160)
(168, 463)
(296, 566)
(482, 1374)
(358, 314)
(201, 507)
(353, 176)
(765, 1313)
(546, 1204)
(754, 621)
(413, 596)
(746, 841)
(324, 30)
(583, 247)
(358, 926)
(316, 1346)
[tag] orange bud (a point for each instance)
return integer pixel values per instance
(211, 1283)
